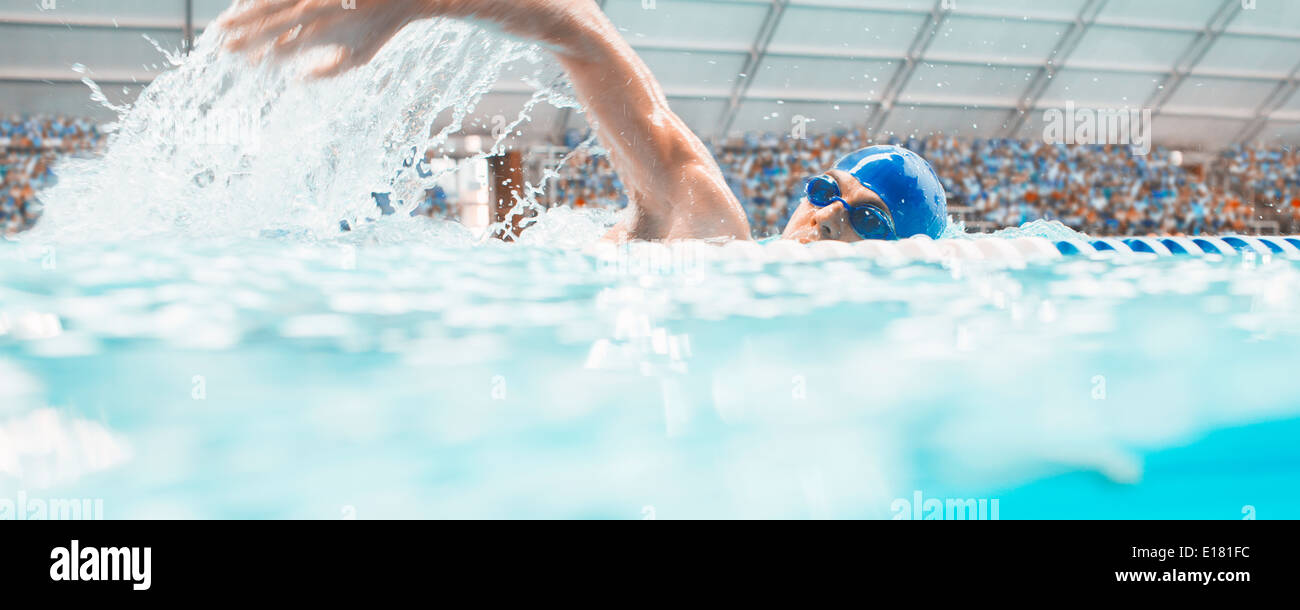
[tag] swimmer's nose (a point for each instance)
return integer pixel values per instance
(817, 226)
(824, 216)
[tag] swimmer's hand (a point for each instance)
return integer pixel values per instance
(287, 27)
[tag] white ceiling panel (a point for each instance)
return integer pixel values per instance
(824, 31)
(1264, 57)
(54, 49)
(995, 39)
(1099, 89)
(770, 116)
(1129, 48)
(72, 99)
(1033, 126)
(1279, 132)
(1291, 108)
(1281, 17)
(802, 78)
(1030, 9)
(706, 24)
(893, 5)
(695, 72)
(1184, 13)
(207, 10)
(1219, 96)
(126, 11)
(921, 121)
(967, 86)
(1187, 132)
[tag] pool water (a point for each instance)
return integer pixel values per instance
(187, 333)
(406, 372)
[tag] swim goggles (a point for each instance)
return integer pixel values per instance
(868, 220)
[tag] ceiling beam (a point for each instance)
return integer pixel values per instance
(1193, 54)
(12, 17)
(1275, 100)
(189, 25)
(933, 21)
(958, 60)
(965, 10)
(1065, 46)
(45, 19)
(753, 61)
(52, 77)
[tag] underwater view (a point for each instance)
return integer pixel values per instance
(382, 375)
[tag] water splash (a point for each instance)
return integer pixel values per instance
(216, 147)
(1054, 230)
(1049, 229)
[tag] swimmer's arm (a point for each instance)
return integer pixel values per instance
(675, 185)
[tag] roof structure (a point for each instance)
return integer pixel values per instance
(1213, 72)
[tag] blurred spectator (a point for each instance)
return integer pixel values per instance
(1268, 176)
(435, 204)
(586, 179)
(28, 148)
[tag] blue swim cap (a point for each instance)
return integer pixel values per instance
(906, 183)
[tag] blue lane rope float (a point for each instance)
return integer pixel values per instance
(1228, 245)
(1022, 249)
(1014, 251)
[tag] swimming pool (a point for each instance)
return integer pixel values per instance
(391, 373)
(186, 333)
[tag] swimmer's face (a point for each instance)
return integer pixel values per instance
(811, 223)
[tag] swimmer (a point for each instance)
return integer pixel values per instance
(674, 185)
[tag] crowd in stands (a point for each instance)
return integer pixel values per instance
(991, 183)
(1110, 190)
(586, 179)
(28, 148)
(1270, 176)
(997, 183)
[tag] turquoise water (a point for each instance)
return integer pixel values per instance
(186, 333)
(395, 372)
